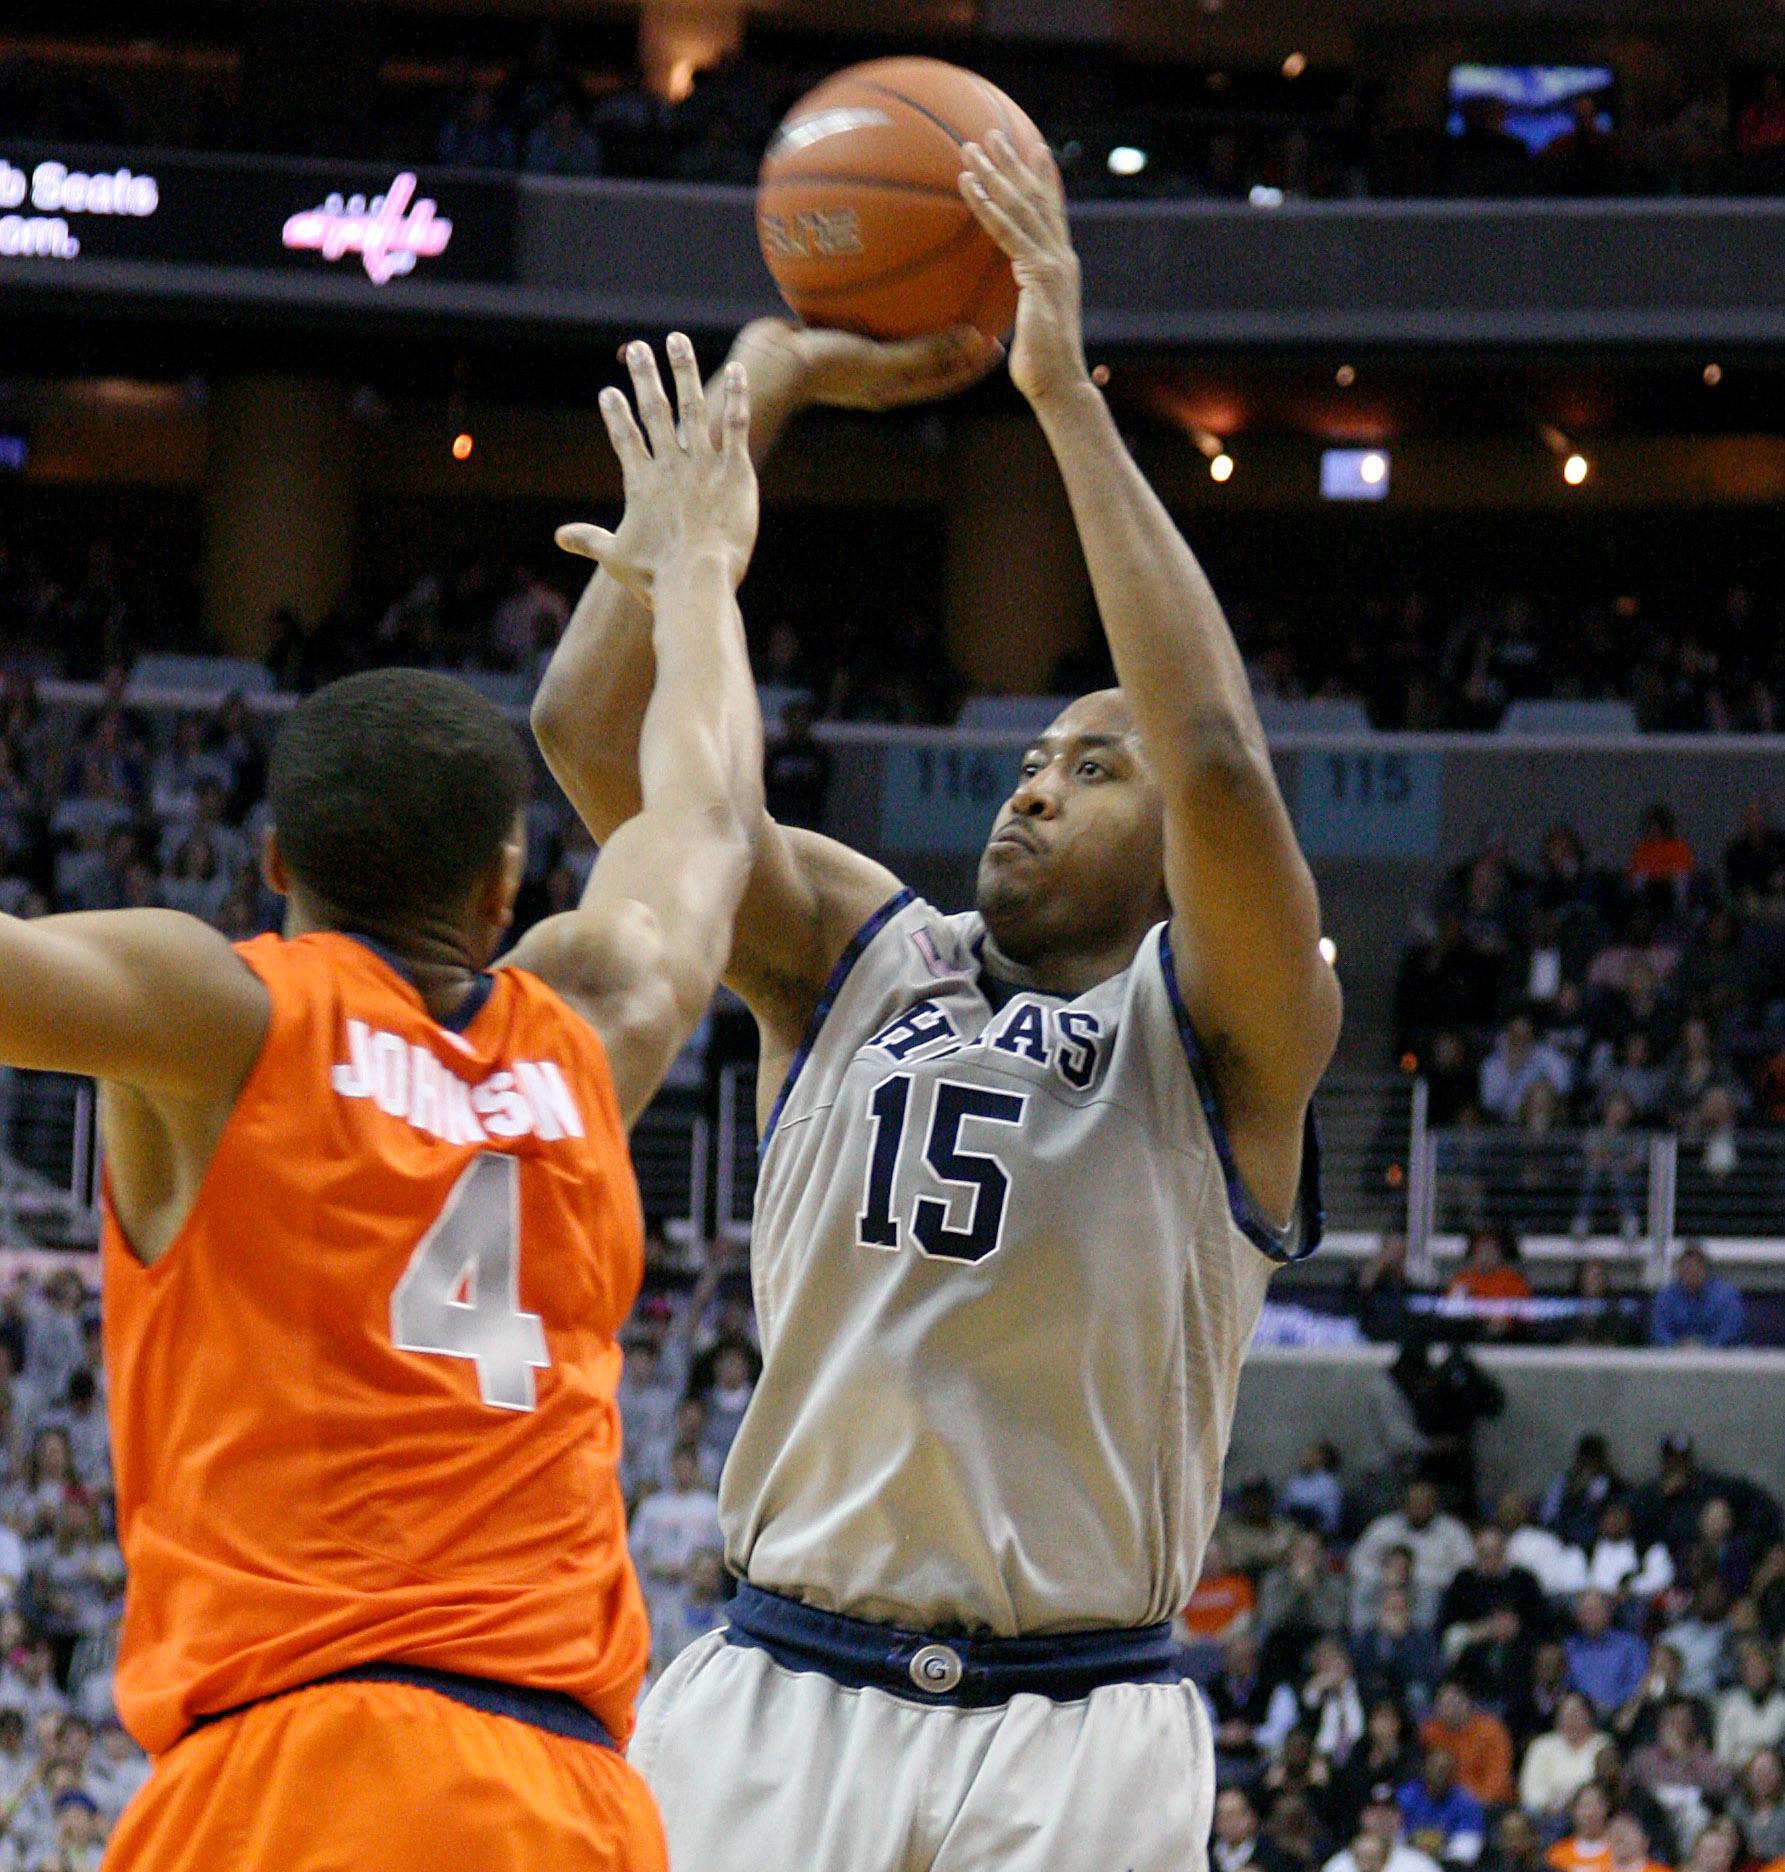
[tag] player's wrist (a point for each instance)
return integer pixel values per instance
(778, 363)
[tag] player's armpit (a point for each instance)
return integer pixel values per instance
(147, 998)
(808, 896)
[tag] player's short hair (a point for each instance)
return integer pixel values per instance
(393, 792)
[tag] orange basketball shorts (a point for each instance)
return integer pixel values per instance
(382, 1777)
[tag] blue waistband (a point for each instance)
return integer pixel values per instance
(550, 1710)
(963, 1673)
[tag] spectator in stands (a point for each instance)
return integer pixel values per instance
(1439, 1543)
(1697, 1308)
(1489, 1272)
(1440, 1818)
(1678, 1770)
(1661, 862)
(1488, 1585)
(1583, 160)
(32, 1505)
(1614, 1168)
(693, 1606)
(1760, 124)
(1395, 1656)
(1573, 1501)
(1239, 1701)
(1476, 1741)
(1487, 159)
(1236, 1845)
(1615, 1562)
(195, 883)
(1380, 1845)
(1700, 1634)
(1723, 1548)
(1301, 1596)
(671, 1525)
(1605, 1664)
(1328, 1706)
(1383, 1290)
(1751, 1715)
(1559, 1763)
(1530, 1546)
(1584, 1847)
(1754, 857)
(472, 138)
(1385, 1757)
(563, 145)
(1223, 1602)
(1254, 1536)
(1517, 1845)
(1314, 1496)
(797, 770)
(725, 1379)
(1517, 1060)
(530, 618)
(1758, 1805)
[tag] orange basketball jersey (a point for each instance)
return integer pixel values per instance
(363, 1407)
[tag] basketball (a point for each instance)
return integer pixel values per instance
(858, 207)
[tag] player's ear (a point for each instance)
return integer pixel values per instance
(272, 864)
(503, 884)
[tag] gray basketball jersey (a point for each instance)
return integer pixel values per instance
(1005, 1277)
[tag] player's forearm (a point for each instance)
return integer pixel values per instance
(700, 742)
(1174, 653)
(591, 703)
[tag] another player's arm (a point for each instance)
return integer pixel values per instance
(807, 894)
(641, 954)
(145, 998)
(1246, 919)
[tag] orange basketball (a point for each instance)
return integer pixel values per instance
(859, 210)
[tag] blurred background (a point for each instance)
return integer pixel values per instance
(1454, 334)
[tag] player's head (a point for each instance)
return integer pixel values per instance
(396, 802)
(1076, 860)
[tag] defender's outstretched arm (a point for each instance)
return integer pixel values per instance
(147, 998)
(641, 955)
(1246, 918)
(807, 895)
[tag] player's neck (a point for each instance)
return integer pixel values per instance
(435, 958)
(1070, 972)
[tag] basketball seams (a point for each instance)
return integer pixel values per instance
(884, 185)
(910, 103)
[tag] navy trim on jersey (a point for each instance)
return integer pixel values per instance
(833, 987)
(550, 1710)
(863, 1656)
(1268, 1240)
(463, 1015)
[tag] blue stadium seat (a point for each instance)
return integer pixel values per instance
(1569, 718)
(1001, 714)
(215, 675)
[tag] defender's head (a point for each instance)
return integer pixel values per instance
(396, 802)
(1076, 860)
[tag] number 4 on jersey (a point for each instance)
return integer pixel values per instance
(474, 1249)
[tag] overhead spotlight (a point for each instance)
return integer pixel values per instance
(1345, 376)
(1221, 467)
(1576, 469)
(1263, 195)
(1126, 160)
(1713, 375)
(462, 446)
(1295, 64)
(1329, 950)
(1373, 469)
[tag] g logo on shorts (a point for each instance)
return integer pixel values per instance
(936, 1670)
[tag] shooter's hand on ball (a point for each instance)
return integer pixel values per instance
(1023, 208)
(690, 487)
(845, 371)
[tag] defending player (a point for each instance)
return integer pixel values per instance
(370, 1230)
(1025, 1175)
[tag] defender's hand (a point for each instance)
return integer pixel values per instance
(845, 371)
(690, 489)
(1023, 208)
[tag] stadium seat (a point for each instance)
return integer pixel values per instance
(1323, 715)
(506, 688)
(1569, 718)
(214, 675)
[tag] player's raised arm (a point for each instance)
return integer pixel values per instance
(146, 998)
(807, 894)
(642, 954)
(1246, 920)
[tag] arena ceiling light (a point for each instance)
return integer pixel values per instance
(1295, 64)
(1221, 467)
(1713, 375)
(1126, 160)
(1576, 469)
